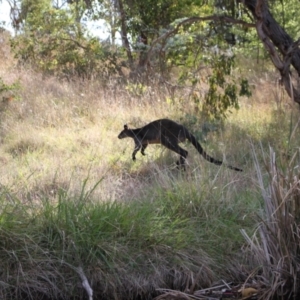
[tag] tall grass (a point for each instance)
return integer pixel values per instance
(274, 248)
(74, 205)
(125, 249)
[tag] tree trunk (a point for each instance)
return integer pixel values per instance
(125, 40)
(275, 39)
(143, 44)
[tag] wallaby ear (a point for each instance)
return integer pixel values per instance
(125, 127)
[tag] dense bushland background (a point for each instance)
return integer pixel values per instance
(73, 205)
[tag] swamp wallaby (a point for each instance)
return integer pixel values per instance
(169, 134)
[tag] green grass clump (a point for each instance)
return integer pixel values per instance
(159, 243)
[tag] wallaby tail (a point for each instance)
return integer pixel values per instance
(199, 148)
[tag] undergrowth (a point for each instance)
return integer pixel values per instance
(143, 244)
(73, 205)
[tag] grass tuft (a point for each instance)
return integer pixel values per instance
(130, 249)
(274, 247)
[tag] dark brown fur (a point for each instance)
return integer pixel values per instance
(169, 134)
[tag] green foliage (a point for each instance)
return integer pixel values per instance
(150, 16)
(223, 89)
(55, 43)
(8, 87)
(203, 46)
(217, 103)
(286, 13)
(245, 88)
(136, 89)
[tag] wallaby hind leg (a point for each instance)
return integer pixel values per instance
(173, 145)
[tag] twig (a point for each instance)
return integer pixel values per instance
(199, 292)
(85, 283)
(227, 285)
(183, 294)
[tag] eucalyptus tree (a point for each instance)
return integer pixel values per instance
(159, 35)
(280, 45)
(54, 40)
(257, 14)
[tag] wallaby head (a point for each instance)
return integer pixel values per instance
(124, 133)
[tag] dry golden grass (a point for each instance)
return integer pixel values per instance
(65, 132)
(57, 133)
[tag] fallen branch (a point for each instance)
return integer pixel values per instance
(85, 282)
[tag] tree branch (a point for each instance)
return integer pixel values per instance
(282, 65)
(192, 20)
